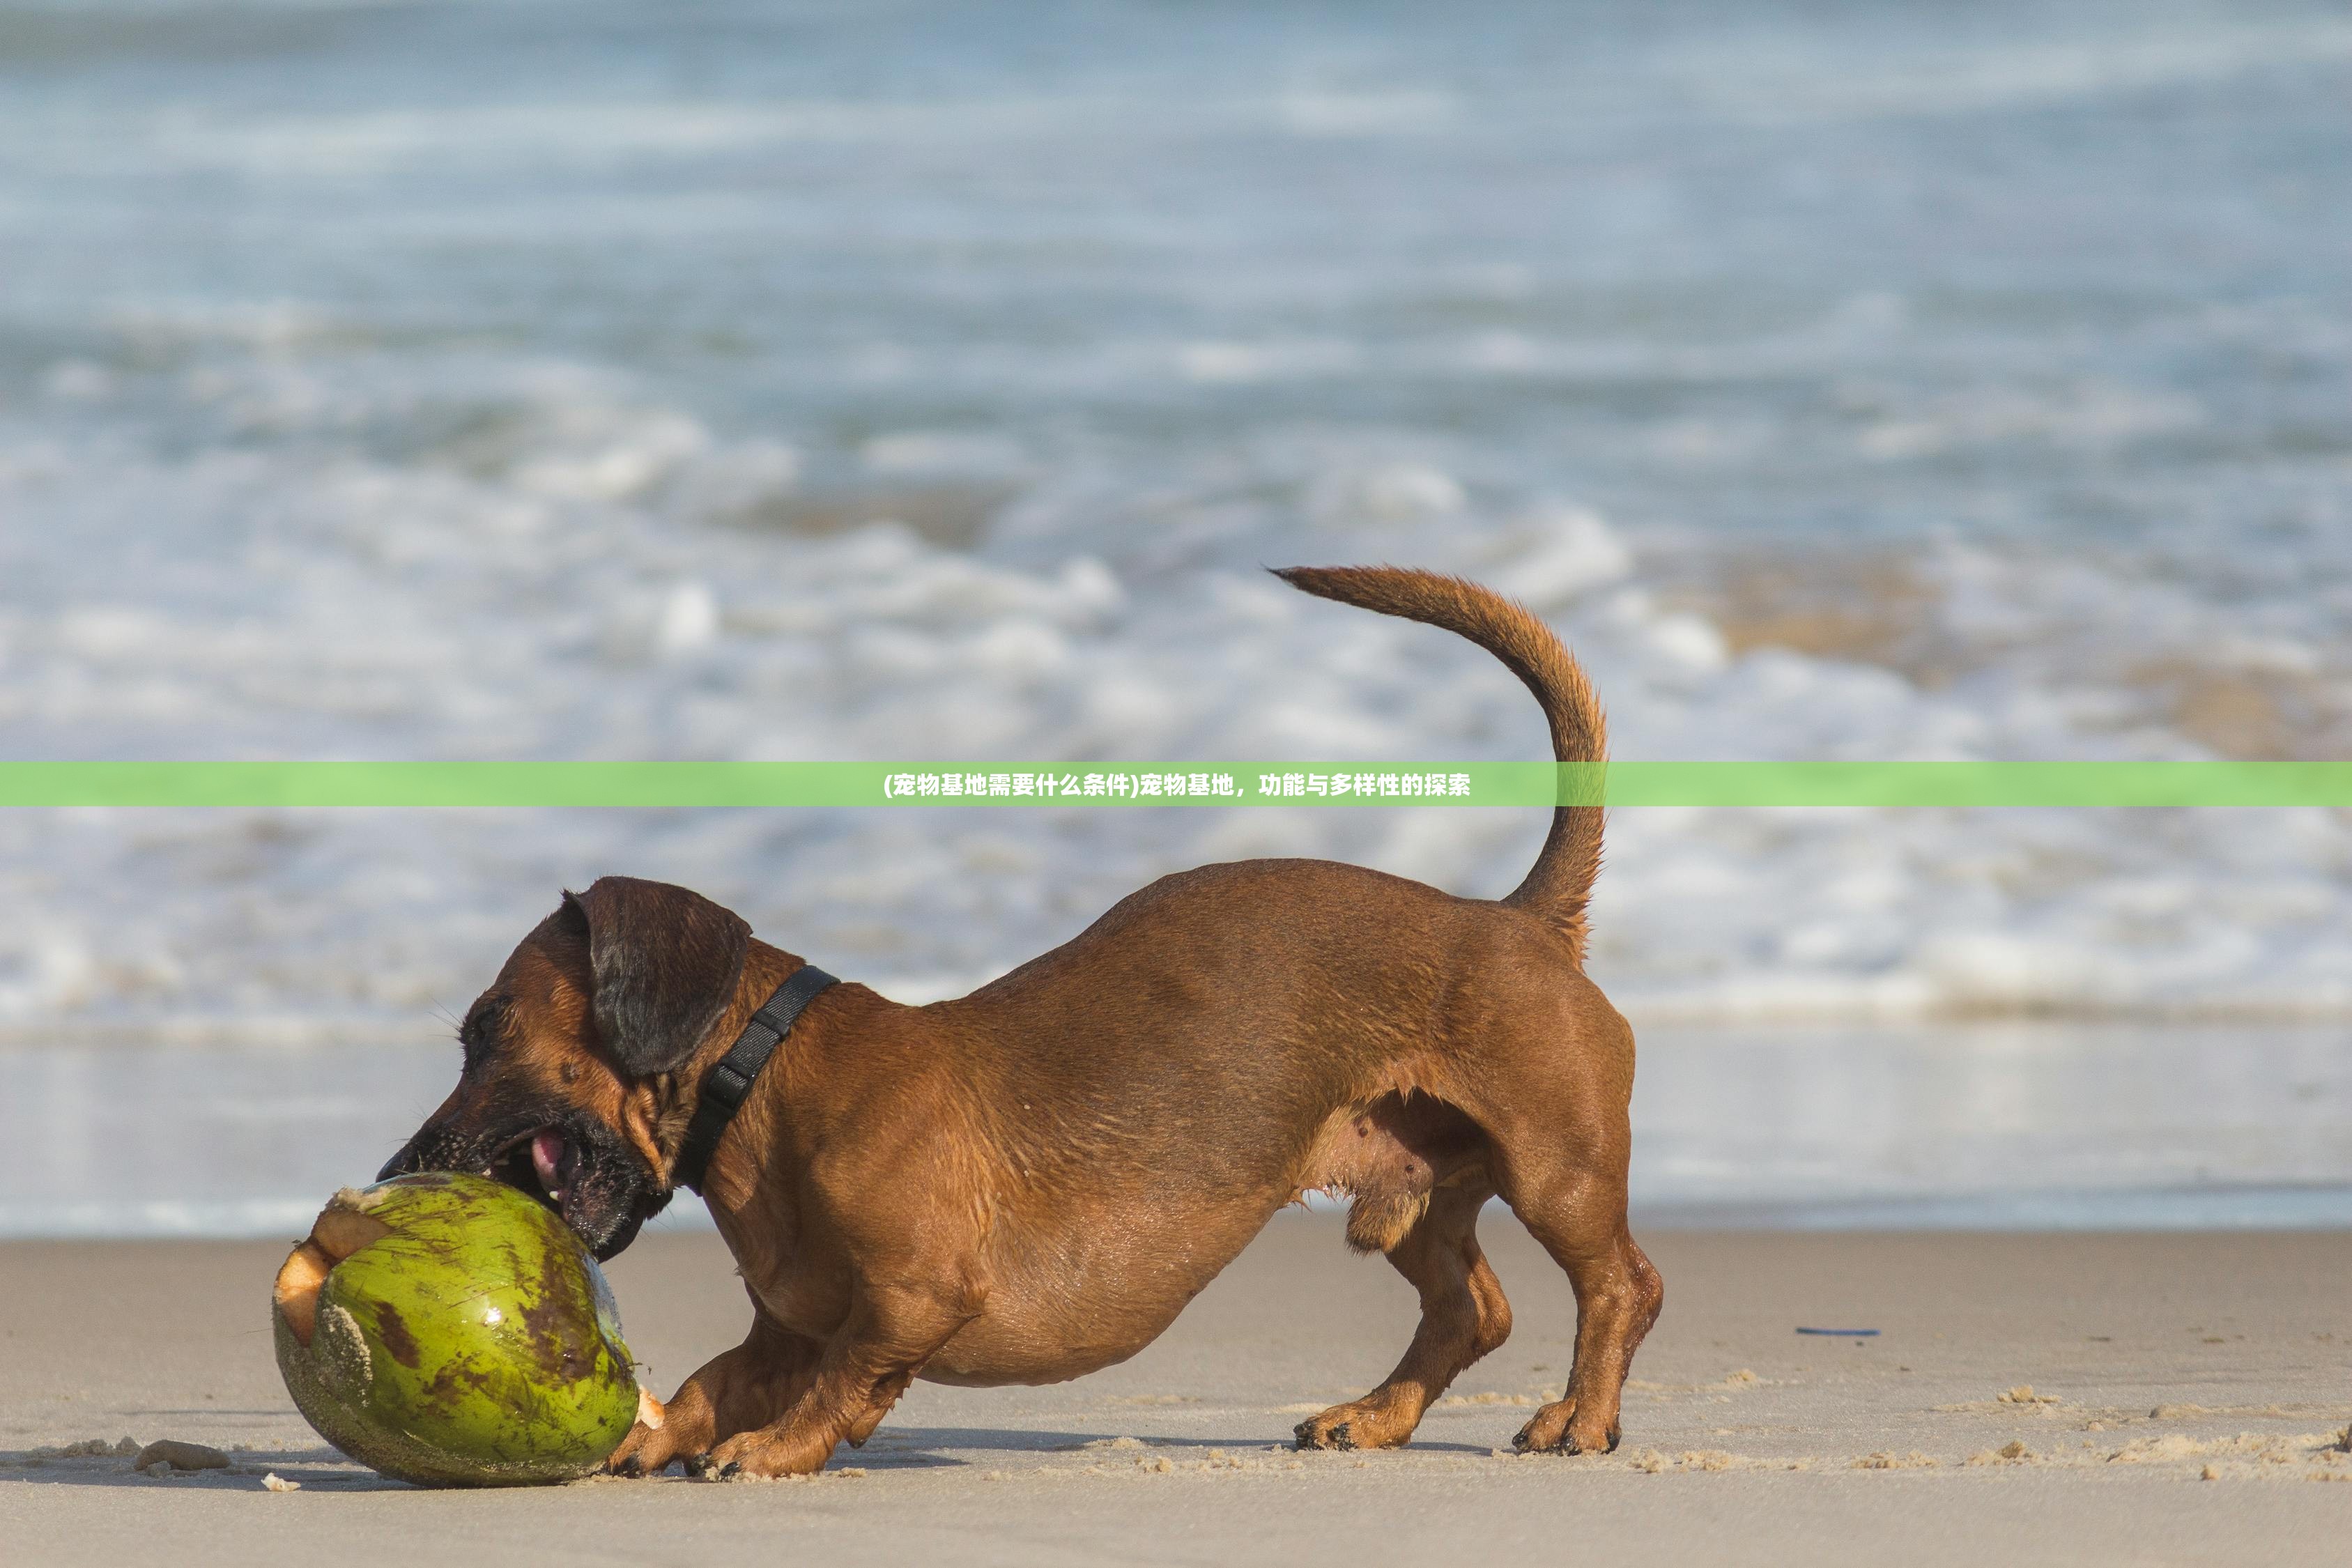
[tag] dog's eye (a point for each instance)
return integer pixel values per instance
(480, 1031)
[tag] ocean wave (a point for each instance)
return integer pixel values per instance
(1884, 386)
(538, 607)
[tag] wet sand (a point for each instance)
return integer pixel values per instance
(2030, 1398)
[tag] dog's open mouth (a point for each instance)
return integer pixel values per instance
(542, 1163)
(586, 1177)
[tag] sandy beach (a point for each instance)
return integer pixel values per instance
(2030, 1398)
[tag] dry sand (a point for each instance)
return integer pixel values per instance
(2030, 1398)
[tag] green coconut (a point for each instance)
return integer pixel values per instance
(449, 1331)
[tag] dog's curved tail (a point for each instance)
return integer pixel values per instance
(1561, 883)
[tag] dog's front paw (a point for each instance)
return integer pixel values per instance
(765, 1455)
(1384, 1419)
(653, 1442)
(1323, 1433)
(646, 1451)
(1556, 1430)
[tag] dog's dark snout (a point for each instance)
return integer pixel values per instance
(404, 1163)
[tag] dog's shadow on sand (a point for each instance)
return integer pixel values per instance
(891, 1448)
(1005, 1439)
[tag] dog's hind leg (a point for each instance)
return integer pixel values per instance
(1548, 1079)
(1463, 1317)
(1570, 1194)
(1617, 1293)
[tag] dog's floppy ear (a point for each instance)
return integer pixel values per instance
(665, 963)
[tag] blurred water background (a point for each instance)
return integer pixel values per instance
(608, 380)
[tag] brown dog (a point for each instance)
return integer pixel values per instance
(1029, 1183)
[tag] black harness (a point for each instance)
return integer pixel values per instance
(730, 1077)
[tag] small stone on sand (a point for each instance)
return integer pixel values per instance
(180, 1455)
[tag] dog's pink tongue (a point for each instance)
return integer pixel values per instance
(546, 1155)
